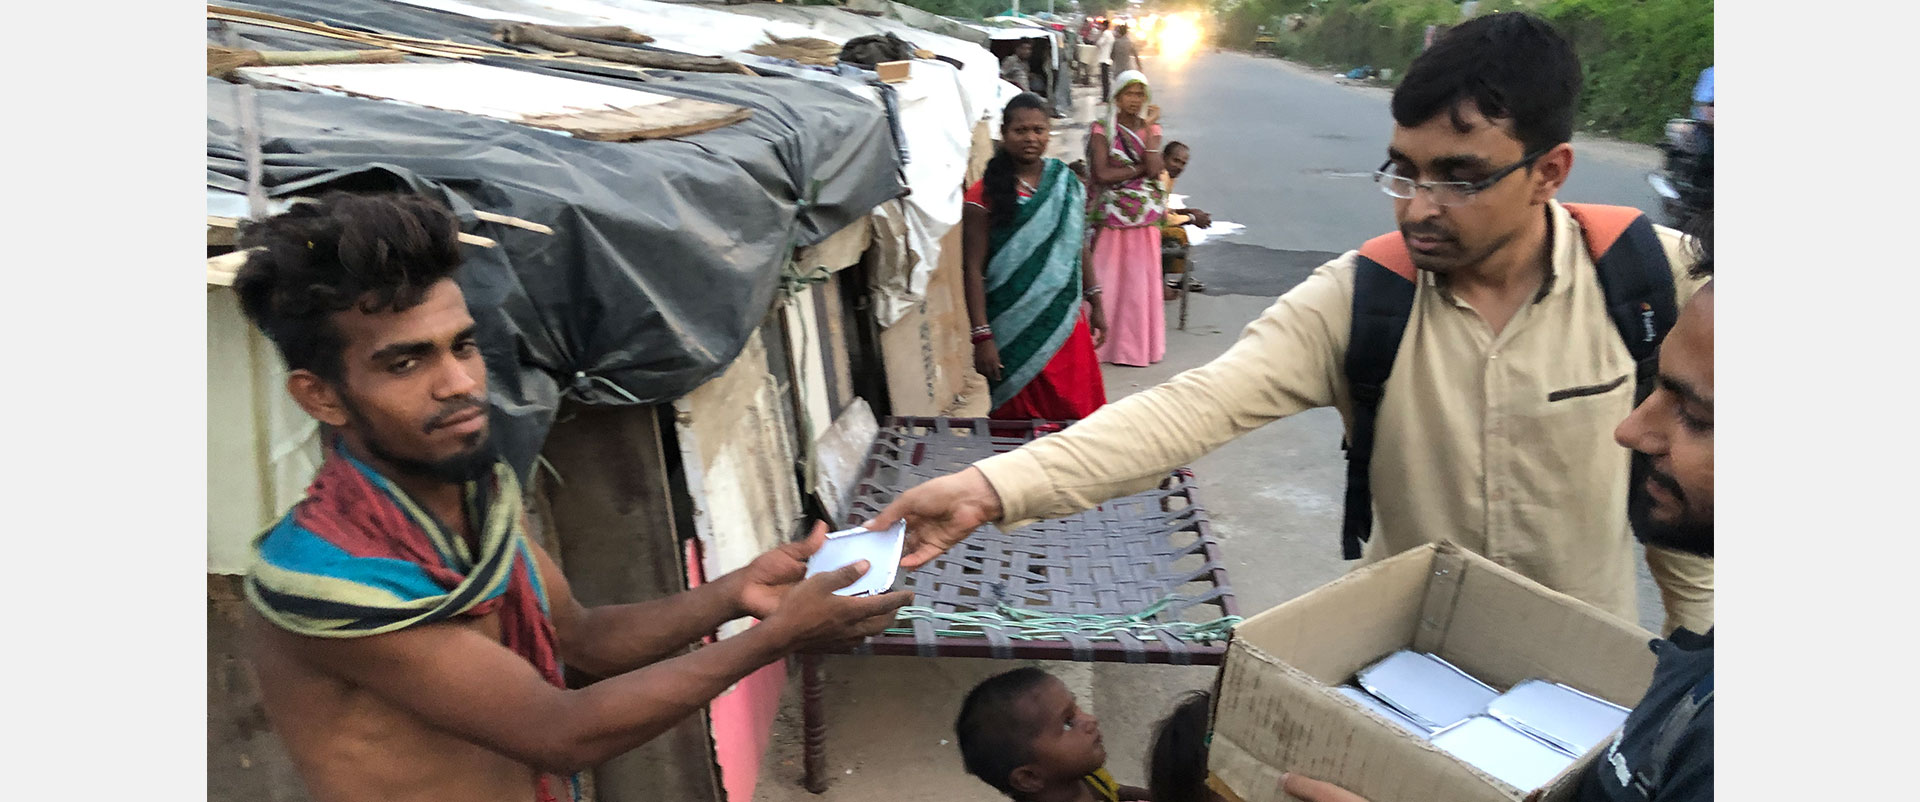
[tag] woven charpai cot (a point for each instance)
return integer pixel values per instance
(1138, 579)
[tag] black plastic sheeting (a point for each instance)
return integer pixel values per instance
(665, 255)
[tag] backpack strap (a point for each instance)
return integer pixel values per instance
(1383, 289)
(1637, 280)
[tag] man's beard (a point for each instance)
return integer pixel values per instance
(1462, 257)
(471, 465)
(1689, 534)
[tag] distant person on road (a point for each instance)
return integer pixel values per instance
(1126, 164)
(1491, 367)
(1664, 752)
(407, 634)
(1035, 309)
(1103, 50)
(1024, 733)
(1014, 69)
(1173, 226)
(1125, 57)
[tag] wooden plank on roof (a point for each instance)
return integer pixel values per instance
(221, 269)
(582, 108)
(509, 220)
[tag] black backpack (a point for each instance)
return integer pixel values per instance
(1634, 274)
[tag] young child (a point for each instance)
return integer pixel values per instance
(1024, 734)
(1177, 762)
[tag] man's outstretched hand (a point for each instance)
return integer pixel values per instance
(763, 583)
(811, 616)
(940, 513)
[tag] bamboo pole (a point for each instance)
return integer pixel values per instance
(616, 33)
(222, 61)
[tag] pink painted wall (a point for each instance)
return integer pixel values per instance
(741, 718)
(743, 726)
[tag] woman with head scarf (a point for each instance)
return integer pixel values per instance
(1125, 164)
(1033, 337)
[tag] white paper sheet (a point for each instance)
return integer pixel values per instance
(1367, 701)
(1429, 690)
(882, 551)
(1197, 236)
(1500, 750)
(1566, 718)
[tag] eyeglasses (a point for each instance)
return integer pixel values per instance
(1445, 193)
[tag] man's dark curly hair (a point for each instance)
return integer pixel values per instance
(1700, 231)
(1511, 66)
(377, 253)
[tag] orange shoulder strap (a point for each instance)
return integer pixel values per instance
(1603, 224)
(1390, 251)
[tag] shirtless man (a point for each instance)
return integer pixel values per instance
(408, 636)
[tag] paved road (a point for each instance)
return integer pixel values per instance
(1271, 141)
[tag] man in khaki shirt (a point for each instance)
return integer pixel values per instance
(1496, 427)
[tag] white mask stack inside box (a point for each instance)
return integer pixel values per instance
(1525, 736)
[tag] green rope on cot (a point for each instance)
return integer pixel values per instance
(1021, 624)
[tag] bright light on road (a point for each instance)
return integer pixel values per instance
(1179, 36)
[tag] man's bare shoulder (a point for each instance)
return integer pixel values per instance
(351, 744)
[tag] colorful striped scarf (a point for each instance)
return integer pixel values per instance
(1033, 279)
(359, 557)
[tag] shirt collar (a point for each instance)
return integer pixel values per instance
(1565, 244)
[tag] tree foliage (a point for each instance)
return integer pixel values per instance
(1641, 57)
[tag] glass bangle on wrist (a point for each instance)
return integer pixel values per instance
(982, 334)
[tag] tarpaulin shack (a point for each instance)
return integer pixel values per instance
(692, 305)
(942, 117)
(1051, 61)
(918, 18)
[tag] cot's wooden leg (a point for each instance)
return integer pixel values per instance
(1185, 278)
(814, 722)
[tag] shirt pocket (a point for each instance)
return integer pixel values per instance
(1586, 390)
(1561, 437)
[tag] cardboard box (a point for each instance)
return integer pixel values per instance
(1276, 710)
(894, 72)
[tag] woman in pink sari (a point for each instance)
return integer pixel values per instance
(1126, 164)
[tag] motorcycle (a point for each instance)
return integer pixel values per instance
(1685, 180)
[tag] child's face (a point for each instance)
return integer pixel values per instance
(1069, 745)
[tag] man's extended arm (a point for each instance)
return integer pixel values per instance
(614, 639)
(1285, 361)
(456, 678)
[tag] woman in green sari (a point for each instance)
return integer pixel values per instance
(1035, 313)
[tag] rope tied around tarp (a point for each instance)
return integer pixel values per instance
(583, 383)
(794, 280)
